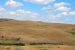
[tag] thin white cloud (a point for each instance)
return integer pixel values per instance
(12, 3)
(17, 14)
(2, 10)
(58, 10)
(60, 4)
(43, 2)
(64, 13)
(71, 13)
(27, 13)
(68, 19)
(11, 14)
(55, 6)
(63, 9)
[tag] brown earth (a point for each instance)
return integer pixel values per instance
(38, 32)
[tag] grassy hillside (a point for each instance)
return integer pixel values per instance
(30, 35)
(30, 31)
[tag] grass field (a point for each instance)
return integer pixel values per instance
(38, 47)
(30, 35)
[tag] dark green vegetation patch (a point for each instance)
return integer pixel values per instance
(11, 44)
(72, 33)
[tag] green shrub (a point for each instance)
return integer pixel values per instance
(10, 44)
(72, 33)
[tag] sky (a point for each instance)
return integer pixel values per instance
(55, 11)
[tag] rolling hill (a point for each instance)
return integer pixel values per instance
(37, 32)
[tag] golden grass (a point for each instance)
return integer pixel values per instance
(38, 47)
(38, 32)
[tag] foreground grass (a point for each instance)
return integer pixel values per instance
(38, 47)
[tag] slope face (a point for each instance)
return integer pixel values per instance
(30, 31)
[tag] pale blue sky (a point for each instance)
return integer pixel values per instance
(57, 11)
